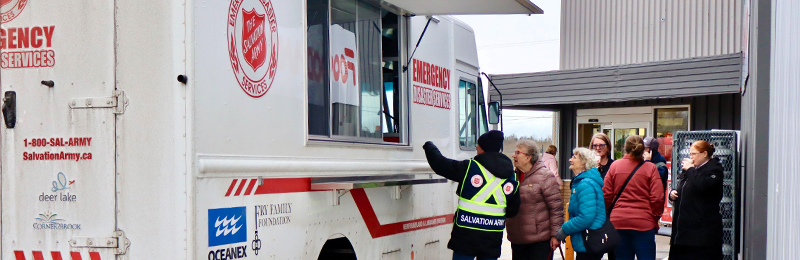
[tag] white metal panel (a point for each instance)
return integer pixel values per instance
(784, 120)
(466, 50)
(426, 7)
(240, 137)
(152, 157)
(616, 32)
(78, 40)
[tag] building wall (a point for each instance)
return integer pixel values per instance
(707, 113)
(614, 32)
(783, 195)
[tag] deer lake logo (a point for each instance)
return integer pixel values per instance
(253, 44)
(10, 9)
(50, 220)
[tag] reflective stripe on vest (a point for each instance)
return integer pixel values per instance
(477, 204)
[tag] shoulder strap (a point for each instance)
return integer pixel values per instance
(623, 187)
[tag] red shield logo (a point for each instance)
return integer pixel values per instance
(253, 39)
(10, 9)
(508, 188)
(476, 181)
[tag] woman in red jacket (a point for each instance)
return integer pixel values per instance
(636, 213)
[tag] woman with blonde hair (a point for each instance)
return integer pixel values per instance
(697, 224)
(601, 145)
(533, 231)
(586, 207)
(634, 198)
(549, 160)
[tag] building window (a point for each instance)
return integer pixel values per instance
(471, 114)
(353, 59)
(669, 121)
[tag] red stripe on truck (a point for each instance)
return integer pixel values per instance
(230, 189)
(270, 186)
(250, 187)
(56, 255)
(377, 230)
(241, 186)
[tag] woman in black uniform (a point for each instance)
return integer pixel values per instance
(601, 145)
(697, 223)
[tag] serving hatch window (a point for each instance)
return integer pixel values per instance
(353, 56)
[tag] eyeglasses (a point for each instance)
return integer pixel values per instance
(595, 146)
(518, 152)
(693, 154)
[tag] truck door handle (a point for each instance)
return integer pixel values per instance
(10, 109)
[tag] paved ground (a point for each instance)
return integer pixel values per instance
(662, 247)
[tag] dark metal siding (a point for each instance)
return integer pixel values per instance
(655, 80)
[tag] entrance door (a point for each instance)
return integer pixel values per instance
(621, 131)
(58, 134)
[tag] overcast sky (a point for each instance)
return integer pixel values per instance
(517, 44)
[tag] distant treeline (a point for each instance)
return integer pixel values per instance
(510, 143)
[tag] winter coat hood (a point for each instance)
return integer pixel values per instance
(592, 175)
(496, 163)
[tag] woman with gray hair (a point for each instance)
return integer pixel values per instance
(587, 209)
(533, 231)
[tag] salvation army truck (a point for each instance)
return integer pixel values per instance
(234, 129)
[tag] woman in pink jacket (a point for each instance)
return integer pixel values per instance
(549, 160)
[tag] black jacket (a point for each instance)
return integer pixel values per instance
(696, 219)
(469, 241)
(604, 169)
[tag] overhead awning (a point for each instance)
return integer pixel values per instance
(446, 7)
(703, 76)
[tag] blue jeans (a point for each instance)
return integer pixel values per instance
(641, 244)
(457, 256)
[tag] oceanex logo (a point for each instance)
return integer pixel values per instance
(227, 226)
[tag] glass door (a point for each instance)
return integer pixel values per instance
(621, 131)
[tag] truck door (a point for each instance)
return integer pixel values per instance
(58, 131)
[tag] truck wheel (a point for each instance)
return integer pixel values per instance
(337, 249)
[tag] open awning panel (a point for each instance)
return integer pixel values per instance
(446, 7)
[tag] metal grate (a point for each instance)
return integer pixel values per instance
(726, 145)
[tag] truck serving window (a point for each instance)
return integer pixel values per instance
(471, 114)
(353, 55)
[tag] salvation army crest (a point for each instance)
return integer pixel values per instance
(253, 44)
(10, 9)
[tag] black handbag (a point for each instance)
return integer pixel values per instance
(606, 238)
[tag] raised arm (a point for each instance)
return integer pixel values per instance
(448, 168)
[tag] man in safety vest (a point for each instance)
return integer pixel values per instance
(487, 195)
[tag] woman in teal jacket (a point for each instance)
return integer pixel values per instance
(586, 205)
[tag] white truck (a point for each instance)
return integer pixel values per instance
(234, 129)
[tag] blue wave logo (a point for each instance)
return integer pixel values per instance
(227, 226)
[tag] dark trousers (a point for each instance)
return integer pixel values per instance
(677, 252)
(639, 244)
(588, 256)
(533, 251)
